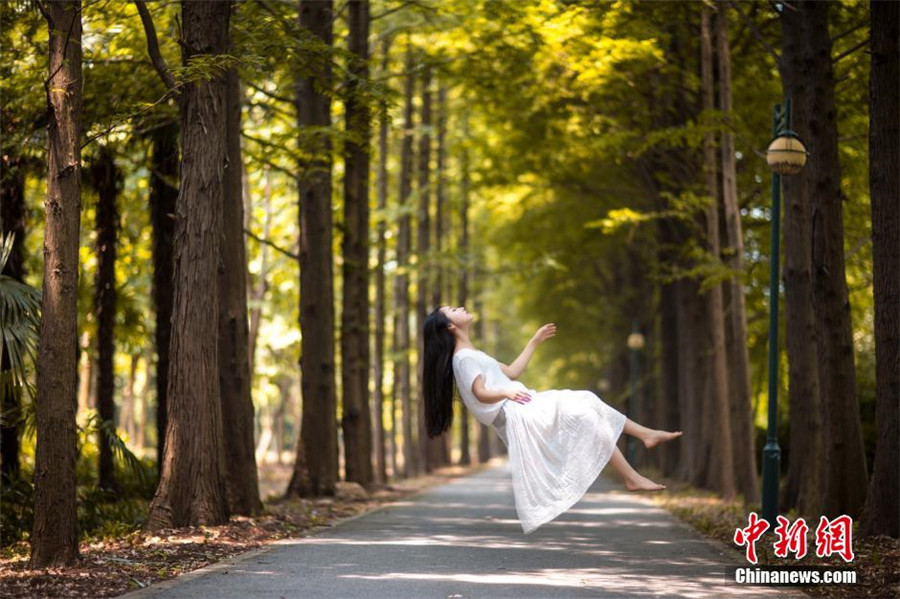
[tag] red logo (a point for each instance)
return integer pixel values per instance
(832, 536)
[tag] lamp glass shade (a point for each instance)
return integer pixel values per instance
(635, 341)
(786, 155)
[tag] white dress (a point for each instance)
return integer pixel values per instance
(558, 442)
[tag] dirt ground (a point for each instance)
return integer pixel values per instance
(112, 567)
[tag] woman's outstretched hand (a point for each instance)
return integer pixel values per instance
(519, 396)
(545, 332)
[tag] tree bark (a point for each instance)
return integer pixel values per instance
(12, 222)
(127, 417)
(880, 515)
(163, 195)
(743, 448)
(401, 282)
(845, 475)
(722, 473)
(802, 486)
(143, 422)
(54, 537)
(378, 374)
(235, 379)
(463, 284)
(694, 406)
(429, 449)
(316, 466)
(441, 226)
(670, 373)
(356, 420)
(262, 281)
(440, 204)
(106, 181)
(192, 486)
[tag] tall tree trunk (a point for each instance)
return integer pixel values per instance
(401, 282)
(669, 341)
(54, 537)
(316, 466)
(440, 205)
(722, 474)
(429, 449)
(106, 181)
(262, 281)
(881, 514)
(356, 420)
(443, 442)
(743, 449)
(12, 222)
(378, 374)
(802, 486)
(192, 489)
(463, 284)
(163, 195)
(143, 421)
(845, 477)
(128, 416)
(85, 373)
(235, 379)
(394, 400)
(284, 396)
(693, 395)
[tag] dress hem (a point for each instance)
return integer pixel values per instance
(570, 500)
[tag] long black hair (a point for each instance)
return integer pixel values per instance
(437, 374)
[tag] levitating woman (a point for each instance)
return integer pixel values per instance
(558, 440)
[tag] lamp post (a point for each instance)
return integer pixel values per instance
(786, 156)
(635, 344)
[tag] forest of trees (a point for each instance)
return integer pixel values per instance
(224, 223)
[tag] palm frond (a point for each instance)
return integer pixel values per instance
(117, 444)
(20, 307)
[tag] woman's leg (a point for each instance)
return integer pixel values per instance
(633, 480)
(649, 436)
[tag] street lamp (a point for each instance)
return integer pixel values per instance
(786, 156)
(635, 344)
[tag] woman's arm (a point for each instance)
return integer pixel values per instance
(485, 395)
(516, 369)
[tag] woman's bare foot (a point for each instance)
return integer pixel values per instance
(642, 483)
(657, 437)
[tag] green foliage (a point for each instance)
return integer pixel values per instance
(20, 307)
(120, 450)
(16, 510)
(101, 512)
(582, 130)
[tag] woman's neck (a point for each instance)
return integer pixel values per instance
(463, 341)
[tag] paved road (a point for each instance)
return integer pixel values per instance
(463, 540)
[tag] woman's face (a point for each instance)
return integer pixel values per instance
(457, 316)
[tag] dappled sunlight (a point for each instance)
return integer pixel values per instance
(613, 580)
(459, 542)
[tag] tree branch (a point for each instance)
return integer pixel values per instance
(269, 94)
(273, 165)
(275, 247)
(847, 53)
(153, 47)
(849, 31)
(755, 31)
(391, 11)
